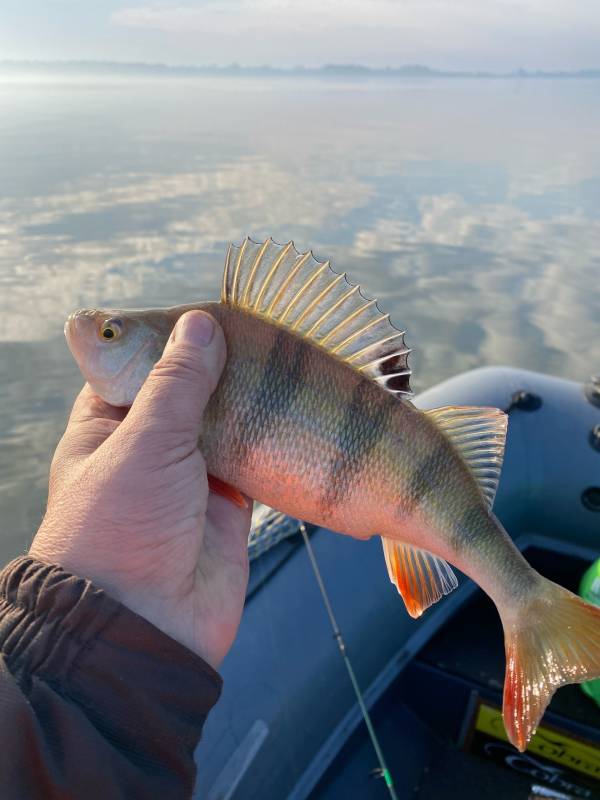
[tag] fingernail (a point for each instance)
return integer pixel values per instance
(195, 328)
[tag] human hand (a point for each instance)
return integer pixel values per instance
(129, 506)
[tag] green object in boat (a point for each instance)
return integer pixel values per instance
(589, 589)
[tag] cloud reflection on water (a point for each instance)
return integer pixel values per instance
(487, 251)
(61, 251)
(526, 287)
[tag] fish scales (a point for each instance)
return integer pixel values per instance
(296, 431)
(310, 436)
(310, 416)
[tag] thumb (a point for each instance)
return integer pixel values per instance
(173, 398)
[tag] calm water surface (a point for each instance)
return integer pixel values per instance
(469, 208)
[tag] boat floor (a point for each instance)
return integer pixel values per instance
(425, 720)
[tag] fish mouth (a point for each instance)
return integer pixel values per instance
(79, 319)
(72, 326)
(68, 329)
(80, 328)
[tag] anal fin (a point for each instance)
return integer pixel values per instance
(421, 578)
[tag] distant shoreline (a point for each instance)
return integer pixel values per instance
(124, 69)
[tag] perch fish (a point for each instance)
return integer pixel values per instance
(312, 416)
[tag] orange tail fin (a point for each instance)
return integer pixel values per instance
(553, 640)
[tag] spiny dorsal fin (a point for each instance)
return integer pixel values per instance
(479, 434)
(421, 578)
(308, 297)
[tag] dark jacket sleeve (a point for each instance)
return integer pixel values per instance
(95, 701)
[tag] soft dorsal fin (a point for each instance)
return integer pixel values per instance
(479, 434)
(306, 296)
(421, 578)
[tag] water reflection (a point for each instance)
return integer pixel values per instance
(470, 209)
(524, 288)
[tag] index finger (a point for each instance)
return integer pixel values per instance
(91, 422)
(89, 406)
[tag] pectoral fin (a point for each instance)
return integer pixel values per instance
(225, 490)
(420, 577)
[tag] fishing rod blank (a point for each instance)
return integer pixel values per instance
(383, 770)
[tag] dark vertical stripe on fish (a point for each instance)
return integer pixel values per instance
(421, 482)
(362, 426)
(469, 528)
(274, 395)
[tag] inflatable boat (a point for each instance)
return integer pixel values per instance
(289, 723)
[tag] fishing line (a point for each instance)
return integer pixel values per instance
(383, 770)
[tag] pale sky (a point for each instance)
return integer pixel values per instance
(452, 34)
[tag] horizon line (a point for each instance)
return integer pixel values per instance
(357, 70)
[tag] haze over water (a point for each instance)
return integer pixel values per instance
(470, 208)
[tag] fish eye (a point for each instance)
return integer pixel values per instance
(111, 329)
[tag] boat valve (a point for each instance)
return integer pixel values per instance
(524, 401)
(592, 390)
(591, 498)
(595, 437)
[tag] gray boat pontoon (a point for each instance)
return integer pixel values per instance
(288, 724)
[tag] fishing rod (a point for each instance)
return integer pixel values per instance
(383, 770)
